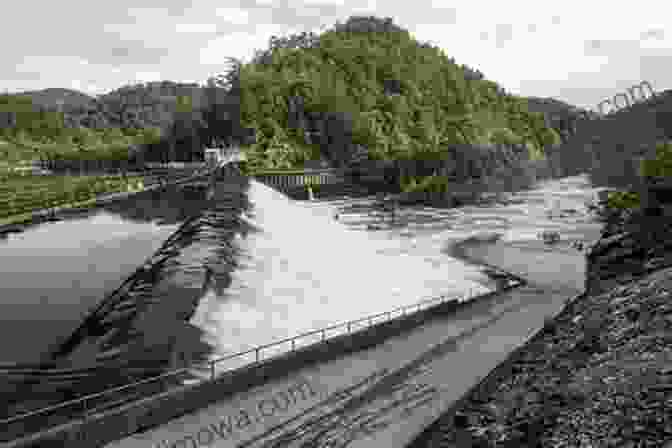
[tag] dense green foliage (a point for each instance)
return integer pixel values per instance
(623, 200)
(179, 119)
(23, 194)
(433, 183)
(115, 127)
(661, 166)
(348, 69)
(38, 133)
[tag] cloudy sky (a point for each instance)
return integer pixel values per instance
(579, 52)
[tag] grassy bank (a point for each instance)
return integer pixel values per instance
(21, 195)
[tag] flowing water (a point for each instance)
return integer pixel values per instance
(302, 269)
(299, 269)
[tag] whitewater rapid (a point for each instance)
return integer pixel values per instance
(302, 270)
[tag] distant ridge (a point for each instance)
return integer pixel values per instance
(551, 106)
(51, 97)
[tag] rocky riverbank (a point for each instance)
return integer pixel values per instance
(599, 374)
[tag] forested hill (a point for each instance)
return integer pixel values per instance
(382, 90)
(363, 89)
(51, 97)
(187, 116)
(140, 105)
(560, 116)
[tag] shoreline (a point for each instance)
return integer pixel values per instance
(19, 223)
(551, 390)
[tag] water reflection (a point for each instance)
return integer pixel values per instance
(168, 206)
(257, 267)
(53, 273)
(143, 328)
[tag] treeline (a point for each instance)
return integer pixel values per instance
(38, 133)
(398, 98)
(162, 121)
(389, 97)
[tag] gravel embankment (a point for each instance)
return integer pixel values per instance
(598, 375)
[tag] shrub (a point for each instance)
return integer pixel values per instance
(661, 166)
(623, 200)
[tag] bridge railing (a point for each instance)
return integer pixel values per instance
(89, 404)
(293, 179)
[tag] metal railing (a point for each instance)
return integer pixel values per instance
(298, 178)
(84, 404)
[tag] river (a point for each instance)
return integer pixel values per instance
(297, 268)
(303, 270)
(52, 274)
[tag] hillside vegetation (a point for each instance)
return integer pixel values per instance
(31, 131)
(397, 97)
(169, 121)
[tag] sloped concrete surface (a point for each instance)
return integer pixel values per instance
(386, 395)
(406, 384)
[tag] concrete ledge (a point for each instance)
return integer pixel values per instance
(489, 383)
(115, 424)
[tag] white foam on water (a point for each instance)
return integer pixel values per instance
(304, 271)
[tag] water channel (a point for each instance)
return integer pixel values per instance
(52, 273)
(297, 267)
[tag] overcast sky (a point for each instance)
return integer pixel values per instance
(577, 51)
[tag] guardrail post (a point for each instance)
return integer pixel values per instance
(257, 353)
(349, 323)
(323, 334)
(293, 341)
(212, 370)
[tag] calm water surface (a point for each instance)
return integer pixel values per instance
(293, 267)
(52, 273)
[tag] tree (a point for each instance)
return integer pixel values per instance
(350, 68)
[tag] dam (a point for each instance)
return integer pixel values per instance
(294, 270)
